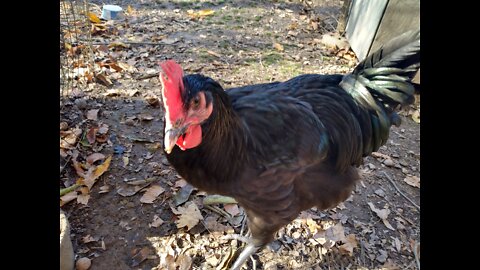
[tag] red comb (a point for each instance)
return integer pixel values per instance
(171, 76)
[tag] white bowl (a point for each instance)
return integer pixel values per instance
(111, 12)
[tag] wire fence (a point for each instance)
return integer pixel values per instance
(76, 57)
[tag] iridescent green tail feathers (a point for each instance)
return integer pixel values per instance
(382, 81)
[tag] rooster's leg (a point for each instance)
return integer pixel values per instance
(247, 252)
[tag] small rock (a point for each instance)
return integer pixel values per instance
(398, 166)
(371, 166)
(413, 168)
(380, 192)
(130, 122)
(405, 171)
(395, 155)
(81, 103)
(383, 256)
(388, 162)
(403, 163)
(83, 263)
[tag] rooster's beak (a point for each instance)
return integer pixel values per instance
(171, 137)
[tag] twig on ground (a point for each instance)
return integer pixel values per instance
(417, 260)
(218, 211)
(399, 191)
(71, 188)
(218, 199)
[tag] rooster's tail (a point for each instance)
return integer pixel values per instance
(382, 81)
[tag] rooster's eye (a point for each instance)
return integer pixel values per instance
(196, 101)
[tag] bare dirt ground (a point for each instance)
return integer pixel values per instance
(236, 43)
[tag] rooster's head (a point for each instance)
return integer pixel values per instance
(186, 105)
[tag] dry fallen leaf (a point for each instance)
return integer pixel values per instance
(380, 155)
(104, 80)
(293, 26)
(69, 138)
(63, 126)
(116, 44)
(140, 256)
(205, 12)
(125, 161)
(151, 194)
(83, 199)
(397, 244)
(416, 116)
(129, 190)
(129, 10)
(383, 214)
(63, 153)
(132, 92)
(88, 239)
(104, 189)
(180, 183)
(102, 129)
(184, 262)
(350, 243)
(200, 13)
(156, 222)
(232, 209)
(153, 101)
(68, 197)
(77, 165)
(95, 157)
(93, 17)
(94, 172)
(413, 181)
(189, 216)
(93, 114)
(278, 47)
(116, 67)
(213, 226)
(312, 225)
(214, 54)
(335, 41)
(213, 259)
(92, 135)
(112, 92)
(335, 233)
(183, 194)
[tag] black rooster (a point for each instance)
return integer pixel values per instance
(283, 147)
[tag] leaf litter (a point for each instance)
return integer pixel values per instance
(352, 235)
(188, 216)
